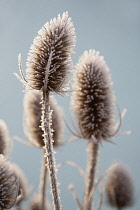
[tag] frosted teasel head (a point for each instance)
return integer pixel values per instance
(49, 62)
(93, 102)
(32, 119)
(120, 188)
(8, 185)
(23, 191)
(4, 137)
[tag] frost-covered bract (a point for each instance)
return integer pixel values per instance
(93, 98)
(49, 59)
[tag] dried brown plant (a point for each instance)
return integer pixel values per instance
(93, 105)
(120, 187)
(9, 185)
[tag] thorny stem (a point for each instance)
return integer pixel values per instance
(43, 181)
(91, 169)
(49, 153)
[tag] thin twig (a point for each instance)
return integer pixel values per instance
(22, 141)
(81, 171)
(75, 196)
(101, 197)
(99, 180)
(43, 181)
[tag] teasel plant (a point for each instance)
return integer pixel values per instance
(32, 129)
(120, 187)
(94, 107)
(48, 70)
(9, 184)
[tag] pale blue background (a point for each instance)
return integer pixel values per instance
(110, 26)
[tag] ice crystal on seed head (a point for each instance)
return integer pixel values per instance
(32, 119)
(49, 61)
(119, 187)
(93, 102)
(8, 185)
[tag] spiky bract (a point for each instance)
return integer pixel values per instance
(93, 101)
(120, 188)
(32, 117)
(8, 185)
(49, 59)
(4, 137)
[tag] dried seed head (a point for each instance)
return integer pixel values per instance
(119, 187)
(8, 185)
(49, 61)
(4, 137)
(32, 117)
(23, 189)
(36, 204)
(93, 102)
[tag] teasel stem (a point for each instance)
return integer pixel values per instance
(49, 153)
(91, 169)
(43, 181)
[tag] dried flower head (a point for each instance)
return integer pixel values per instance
(36, 204)
(93, 102)
(49, 59)
(23, 189)
(119, 187)
(8, 185)
(4, 137)
(32, 117)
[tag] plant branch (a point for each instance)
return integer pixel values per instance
(49, 153)
(91, 169)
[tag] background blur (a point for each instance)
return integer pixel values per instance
(109, 26)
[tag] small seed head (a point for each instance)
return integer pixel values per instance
(32, 119)
(23, 189)
(120, 188)
(8, 185)
(93, 98)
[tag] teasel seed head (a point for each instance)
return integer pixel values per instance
(93, 98)
(32, 119)
(23, 191)
(120, 187)
(49, 61)
(9, 185)
(4, 137)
